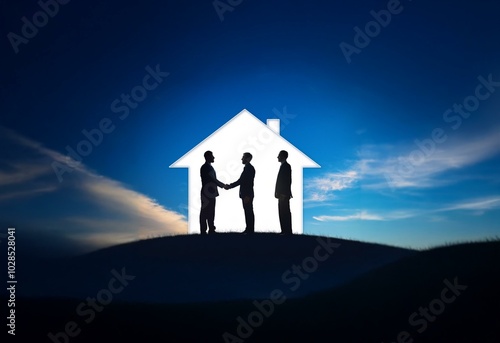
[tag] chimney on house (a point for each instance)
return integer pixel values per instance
(274, 124)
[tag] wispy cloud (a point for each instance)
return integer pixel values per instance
(323, 188)
(476, 206)
(363, 215)
(417, 166)
(21, 172)
(27, 193)
(369, 216)
(111, 212)
(413, 167)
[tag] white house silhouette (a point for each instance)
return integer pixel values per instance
(245, 133)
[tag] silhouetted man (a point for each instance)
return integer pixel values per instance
(209, 192)
(246, 191)
(283, 193)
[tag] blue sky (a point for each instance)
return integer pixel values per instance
(367, 119)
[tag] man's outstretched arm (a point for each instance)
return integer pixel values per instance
(211, 174)
(243, 176)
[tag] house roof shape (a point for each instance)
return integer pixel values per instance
(241, 121)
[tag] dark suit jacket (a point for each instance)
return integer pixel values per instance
(284, 181)
(245, 181)
(209, 181)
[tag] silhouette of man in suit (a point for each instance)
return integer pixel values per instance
(283, 193)
(209, 192)
(246, 191)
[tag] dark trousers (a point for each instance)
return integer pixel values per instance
(207, 214)
(285, 215)
(249, 216)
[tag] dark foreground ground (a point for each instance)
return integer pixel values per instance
(449, 294)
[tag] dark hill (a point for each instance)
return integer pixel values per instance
(373, 307)
(195, 268)
(377, 306)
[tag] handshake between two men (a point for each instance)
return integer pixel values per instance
(246, 182)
